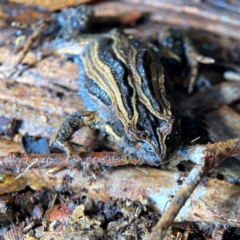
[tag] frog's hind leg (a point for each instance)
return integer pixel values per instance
(69, 126)
(181, 45)
(193, 58)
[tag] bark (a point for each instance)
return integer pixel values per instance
(213, 201)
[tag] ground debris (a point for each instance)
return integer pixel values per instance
(44, 197)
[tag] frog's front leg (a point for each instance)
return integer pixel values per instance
(69, 126)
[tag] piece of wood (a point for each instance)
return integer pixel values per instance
(213, 201)
(201, 16)
(52, 5)
(223, 123)
(220, 94)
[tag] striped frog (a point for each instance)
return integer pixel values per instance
(123, 87)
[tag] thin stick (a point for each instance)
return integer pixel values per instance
(40, 28)
(26, 169)
(178, 201)
(209, 156)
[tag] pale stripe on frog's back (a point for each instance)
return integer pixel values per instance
(98, 70)
(121, 79)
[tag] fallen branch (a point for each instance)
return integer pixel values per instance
(201, 16)
(208, 203)
(156, 185)
(207, 157)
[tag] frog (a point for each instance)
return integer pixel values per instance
(123, 86)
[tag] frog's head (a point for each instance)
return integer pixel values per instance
(153, 142)
(153, 146)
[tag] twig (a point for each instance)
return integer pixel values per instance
(207, 204)
(26, 169)
(188, 14)
(205, 156)
(40, 28)
(211, 155)
(23, 160)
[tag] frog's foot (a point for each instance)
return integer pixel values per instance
(64, 146)
(69, 126)
(193, 59)
(168, 53)
(68, 147)
(77, 149)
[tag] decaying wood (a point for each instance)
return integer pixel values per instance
(38, 31)
(206, 158)
(214, 154)
(14, 12)
(222, 93)
(7, 145)
(34, 100)
(23, 160)
(43, 95)
(223, 123)
(190, 14)
(117, 12)
(187, 14)
(229, 169)
(49, 73)
(30, 96)
(208, 203)
(52, 5)
(208, 155)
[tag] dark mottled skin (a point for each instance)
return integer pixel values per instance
(123, 87)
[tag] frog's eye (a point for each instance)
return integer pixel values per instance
(131, 139)
(147, 147)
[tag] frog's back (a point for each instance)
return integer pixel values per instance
(116, 72)
(123, 80)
